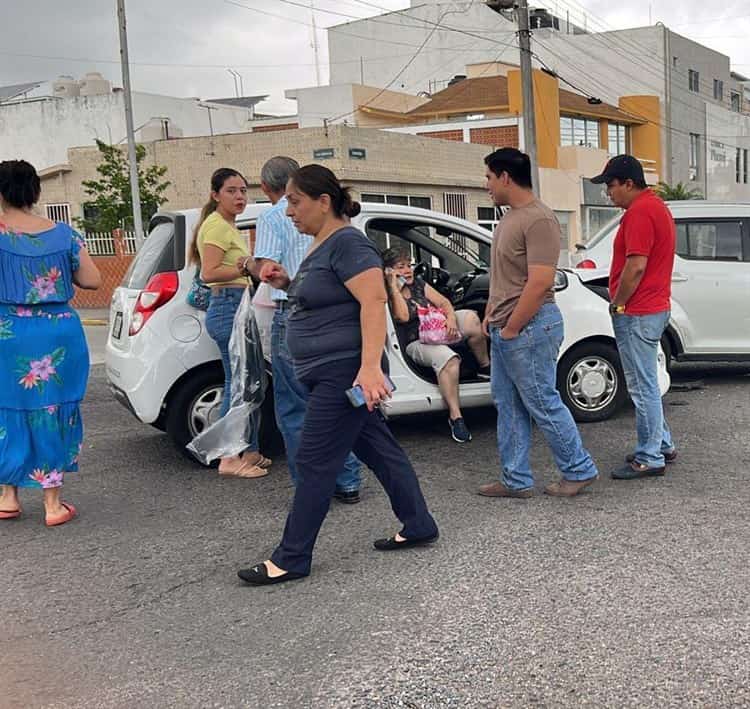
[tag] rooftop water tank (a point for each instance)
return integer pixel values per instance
(65, 87)
(94, 84)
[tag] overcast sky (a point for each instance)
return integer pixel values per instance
(183, 47)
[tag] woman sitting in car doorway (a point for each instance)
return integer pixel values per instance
(407, 291)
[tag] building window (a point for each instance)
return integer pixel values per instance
(454, 203)
(718, 89)
(675, 61)
(618, 139)
(738, 165)
(58, 212)
(402, 199)
(735, 101)
(694, 155)
(579, 131)
(744, 166)
(488, 217)
(694, 80)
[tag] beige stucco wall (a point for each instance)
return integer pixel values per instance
(395, 164)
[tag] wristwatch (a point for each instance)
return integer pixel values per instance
(616, 309)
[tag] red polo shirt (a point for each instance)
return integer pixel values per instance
(646, 229)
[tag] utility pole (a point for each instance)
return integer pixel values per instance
(505, 8)
(315, 43)
(135, 190)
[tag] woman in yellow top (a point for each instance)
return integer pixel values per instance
(218, 246)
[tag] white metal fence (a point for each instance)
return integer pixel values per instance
(103, 243)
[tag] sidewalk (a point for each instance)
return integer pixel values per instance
(94, 316)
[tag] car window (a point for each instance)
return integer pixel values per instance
(156, 255)
(607, 230)
(450, 249)
(710, 240)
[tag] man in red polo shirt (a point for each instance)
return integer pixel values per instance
(640, 286)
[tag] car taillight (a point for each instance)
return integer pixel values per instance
(587, 263)
(159, 290)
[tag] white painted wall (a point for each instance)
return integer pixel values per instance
(42, 131)
(318, 102)
(386, 43)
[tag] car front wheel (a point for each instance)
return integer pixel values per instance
(591, 381)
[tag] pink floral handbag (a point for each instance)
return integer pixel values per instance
(433, 326)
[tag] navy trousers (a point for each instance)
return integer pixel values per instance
(333, 428)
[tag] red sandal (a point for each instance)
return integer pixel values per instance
(10, 514)
(69, 513)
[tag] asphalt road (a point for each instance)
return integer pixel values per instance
(633, 595)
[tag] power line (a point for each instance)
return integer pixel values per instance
(638, 48)
(394, 79)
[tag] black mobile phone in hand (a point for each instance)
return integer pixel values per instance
(357, 397)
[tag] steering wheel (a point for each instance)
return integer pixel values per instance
(425, 271)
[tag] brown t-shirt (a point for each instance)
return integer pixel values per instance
(525, 237)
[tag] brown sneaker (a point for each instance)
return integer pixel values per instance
(497, 489)
(568, 488)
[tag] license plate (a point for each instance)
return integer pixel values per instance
(117, 326)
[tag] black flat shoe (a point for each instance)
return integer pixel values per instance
(258, 576)
(349, 497)
(391, 544)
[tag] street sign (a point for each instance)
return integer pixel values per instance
(357, 153)
(323, 153)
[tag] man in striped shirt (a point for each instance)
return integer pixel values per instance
(277, 240)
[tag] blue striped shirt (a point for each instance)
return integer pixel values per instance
(277, 238)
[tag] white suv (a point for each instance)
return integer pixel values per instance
(710, 281)
(163, 366)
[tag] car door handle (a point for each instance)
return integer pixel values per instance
(678, 278)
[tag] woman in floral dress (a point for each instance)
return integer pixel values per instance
(44, 361)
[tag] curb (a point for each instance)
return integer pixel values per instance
(94, 321)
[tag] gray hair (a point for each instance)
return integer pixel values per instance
(277, 171)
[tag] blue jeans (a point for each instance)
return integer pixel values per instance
(290, 402)
(219, 322)
(638, 339)
(524, 387)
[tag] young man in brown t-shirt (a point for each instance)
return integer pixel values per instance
(525, 327)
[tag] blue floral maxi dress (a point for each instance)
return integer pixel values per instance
(44, 361)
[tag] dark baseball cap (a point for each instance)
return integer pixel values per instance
(621, 167)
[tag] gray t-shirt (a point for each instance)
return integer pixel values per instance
(323, 324)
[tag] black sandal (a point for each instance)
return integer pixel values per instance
(258, 576)
(392, 544)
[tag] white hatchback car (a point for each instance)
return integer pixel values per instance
(163, 366)
(710, 281)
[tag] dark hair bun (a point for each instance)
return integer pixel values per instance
(352, 208)
(20, 186)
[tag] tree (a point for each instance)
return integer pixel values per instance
(677, 192)
(110, 206)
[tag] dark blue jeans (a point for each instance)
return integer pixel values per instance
(524, 387)
(290, 401)
(219, 322)
(332, 428)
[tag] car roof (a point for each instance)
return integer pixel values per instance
(700, 207)
(252, 211)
